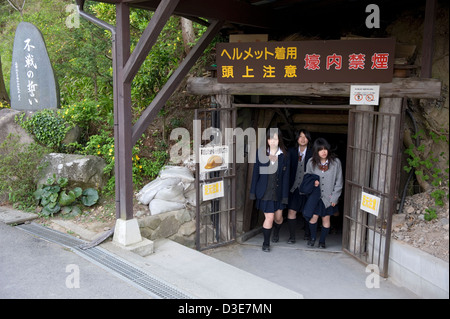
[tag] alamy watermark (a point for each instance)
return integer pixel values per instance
(73, 280)
(373, 279)
(373, 19)
(217, 137)
(73, 20)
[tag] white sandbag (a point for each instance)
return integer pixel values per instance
(190, 196)
(158, 206)
(177, 172)
(188, 187)
(148, 192)
(174, 193)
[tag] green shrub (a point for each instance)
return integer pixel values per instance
(19, 164)
(54, 196)
(81, 114)
(47, 127)
(144, 168)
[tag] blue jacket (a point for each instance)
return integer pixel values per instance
(260, 179)
(307, 187)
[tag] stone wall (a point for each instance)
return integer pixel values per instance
(176, 225)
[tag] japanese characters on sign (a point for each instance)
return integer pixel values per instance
(213, 158)
(370, 203)
(212, 190)
(33, 85)
(31, 68)
(368, 60)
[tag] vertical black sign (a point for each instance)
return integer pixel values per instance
(32, 83)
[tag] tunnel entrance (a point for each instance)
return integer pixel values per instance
(322, 118)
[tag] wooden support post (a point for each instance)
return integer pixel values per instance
(428, 39)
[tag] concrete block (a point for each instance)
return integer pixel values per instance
(127, 235)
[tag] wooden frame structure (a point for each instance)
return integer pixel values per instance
(126, 65)
(125, 68)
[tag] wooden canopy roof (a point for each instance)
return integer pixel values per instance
(287, 16)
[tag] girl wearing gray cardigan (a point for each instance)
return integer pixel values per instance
(327, 166)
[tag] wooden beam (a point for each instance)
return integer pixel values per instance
(148, 38)
(320, 118)
(295, 106)
(428, 39)
(399, 87)
(172, 84)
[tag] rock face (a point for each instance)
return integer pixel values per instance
(80, 170)
(9, 126)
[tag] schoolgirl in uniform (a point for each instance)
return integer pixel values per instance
(298, 157)
(270, 183)
(328, 168)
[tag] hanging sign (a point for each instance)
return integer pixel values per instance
(370, 203)
(212, 190)
(357, 61)
(364, 94)
(213, 158)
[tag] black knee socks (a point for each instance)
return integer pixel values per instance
(323, 234)
(291, 224)
(266, 233)
(313, 230)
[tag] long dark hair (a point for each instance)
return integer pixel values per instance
(270, 133)
(307, 134)
(322, 144)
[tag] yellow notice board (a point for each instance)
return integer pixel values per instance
(212, 190)
(370, 203)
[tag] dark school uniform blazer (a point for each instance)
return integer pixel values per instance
(307, 187)
(259, 181)
(293, 160)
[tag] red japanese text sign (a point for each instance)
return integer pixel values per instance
(357, 61)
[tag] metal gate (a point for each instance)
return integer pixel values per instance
(215, 218)
(372, 177)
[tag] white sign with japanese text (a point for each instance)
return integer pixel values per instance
(370, 203)
(364, 94)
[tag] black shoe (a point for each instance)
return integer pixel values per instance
(266, 248)
(311, 242)
(322, 245)
(275, 238)
(307, 237)
(291, 240)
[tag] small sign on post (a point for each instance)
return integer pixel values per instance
(364, 94)
(370, 203)
(214, 158)
(212, 190)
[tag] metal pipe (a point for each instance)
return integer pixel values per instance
(112, 29)
(411, 173)
(95, 20)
